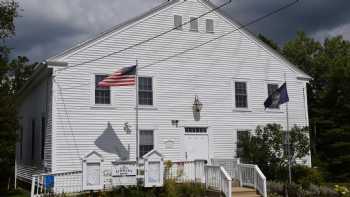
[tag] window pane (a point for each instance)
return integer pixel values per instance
(178, 22)
(145, 91)
(241, 94)
(146, 141)
(193, 24)
(210, 25)
(102, 94)
(241, 136)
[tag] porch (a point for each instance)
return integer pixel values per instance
(227, 176)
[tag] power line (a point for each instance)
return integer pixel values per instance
(225, 34)
(216, 38)
(149, 39)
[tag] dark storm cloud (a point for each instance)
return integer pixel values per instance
(48, 27)
(310, 16)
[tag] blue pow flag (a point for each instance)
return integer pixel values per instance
(49, 182)
(277, 98)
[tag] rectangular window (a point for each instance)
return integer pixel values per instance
(178, 22)
(145, 91)
(270, 89)
(102, 94)
(193, 24)
(195, 130)
(43, 135)
(241, 95)
(33, 140)
(241, 137)
(210, 25)
(146, 141)
(21, 144)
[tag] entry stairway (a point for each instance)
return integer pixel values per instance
(244, 192)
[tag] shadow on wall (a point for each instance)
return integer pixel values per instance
(110, 143)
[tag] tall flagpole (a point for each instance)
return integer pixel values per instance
(137, 112)
(287, 140)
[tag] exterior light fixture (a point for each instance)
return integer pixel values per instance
(127, 128)
(197, 105)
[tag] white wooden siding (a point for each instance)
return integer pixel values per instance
(34, 106)
(208, 72)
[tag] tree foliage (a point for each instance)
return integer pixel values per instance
(328, 63)
(13, 74)
(266, 148)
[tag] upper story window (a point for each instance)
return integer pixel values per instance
(209, 25)
(193, 24)
(270, 89)
(43, 135)
(102, 94)
(33, 140)
(241, 95)
(178, 22)
(145, 91)
(146, 142)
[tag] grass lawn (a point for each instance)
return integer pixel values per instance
(17, 193)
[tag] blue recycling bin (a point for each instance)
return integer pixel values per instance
(49, 181)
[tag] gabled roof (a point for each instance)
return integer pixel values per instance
(164, 5)
(115, 28)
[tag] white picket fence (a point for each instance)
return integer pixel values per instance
(217, 176)
(66, 182)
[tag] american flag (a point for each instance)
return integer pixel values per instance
(122, 77)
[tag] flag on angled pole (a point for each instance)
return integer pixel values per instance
(126, 76)
(277, 98)
(123, 77)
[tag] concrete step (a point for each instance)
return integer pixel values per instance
(244, 192)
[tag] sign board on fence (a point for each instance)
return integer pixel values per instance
(92, 171)
(154, 169)
(124, 173)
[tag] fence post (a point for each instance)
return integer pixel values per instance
(240, 175)
(33, 187)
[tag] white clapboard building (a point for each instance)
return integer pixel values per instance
(64, 116)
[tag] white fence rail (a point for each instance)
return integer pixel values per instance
(216, 178)
(251, 176)
(230, 165)
(186, 171)
(56, 183)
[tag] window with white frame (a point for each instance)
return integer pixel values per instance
(146, 142)
(272, 87)
(209, 25)
(43, 134)
(178, 22)
(242, 136)
(145, 91)
(33, 140)
(194, 130)
(193, 24)
(241, 94)
(102, 94)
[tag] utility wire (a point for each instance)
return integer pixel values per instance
(149, 39)
(209, 41)
(225, 34)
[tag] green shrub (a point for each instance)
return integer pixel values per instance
(305, 176)
(342, 190)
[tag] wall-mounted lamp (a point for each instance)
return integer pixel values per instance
(197, 105)
(127, 128)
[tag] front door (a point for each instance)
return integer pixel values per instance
(196, 143)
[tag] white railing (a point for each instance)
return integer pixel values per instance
(251, 176)
(216, 178)
(56, 183)
(186, 171)
(230, 165)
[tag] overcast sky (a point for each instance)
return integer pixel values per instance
(46, 27)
